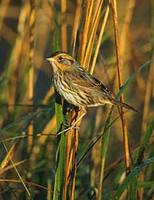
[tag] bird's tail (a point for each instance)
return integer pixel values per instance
(118, 103)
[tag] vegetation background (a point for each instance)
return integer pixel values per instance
(111, 156)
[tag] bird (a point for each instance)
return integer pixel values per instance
(77, 86)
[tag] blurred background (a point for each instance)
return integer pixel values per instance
(31, 31)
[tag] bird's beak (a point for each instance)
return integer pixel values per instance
(50, 59)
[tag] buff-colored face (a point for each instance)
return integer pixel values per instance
(61, 61)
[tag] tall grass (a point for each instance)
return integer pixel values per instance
(110, 153)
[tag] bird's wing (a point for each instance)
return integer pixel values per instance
(84, 79)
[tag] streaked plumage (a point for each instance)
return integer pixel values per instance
(78, 86)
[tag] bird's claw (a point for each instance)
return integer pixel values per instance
(75, 127)
(65, 124)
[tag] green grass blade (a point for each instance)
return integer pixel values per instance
(144, 144)
(131, 78)
(104, 149)
(61, 139)
(133, 189)
(130, 178)
(93, 141)
(60, 153)
(146, 184)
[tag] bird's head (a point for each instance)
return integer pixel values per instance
(61, 61)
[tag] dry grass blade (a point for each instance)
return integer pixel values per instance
(2, 171)
(9, 156)
(32, 19)
(63, 25)
(4, 4)
(71, 152)
(67, 166)
(125, 31)
(86, 28)
(93, 30)
(49, 193)
(15, 63)
(49, 94)
(119, 75)
(148, 93)
(78, 12)
(49, 128)
(99, 39)
(27, 182)
(16, 170)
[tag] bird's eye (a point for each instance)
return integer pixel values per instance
(65, 61)
(60, 58)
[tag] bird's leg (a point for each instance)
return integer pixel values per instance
(65, 123)
(80, 117)
(83, 114)
(68, 109)
(73, 125)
